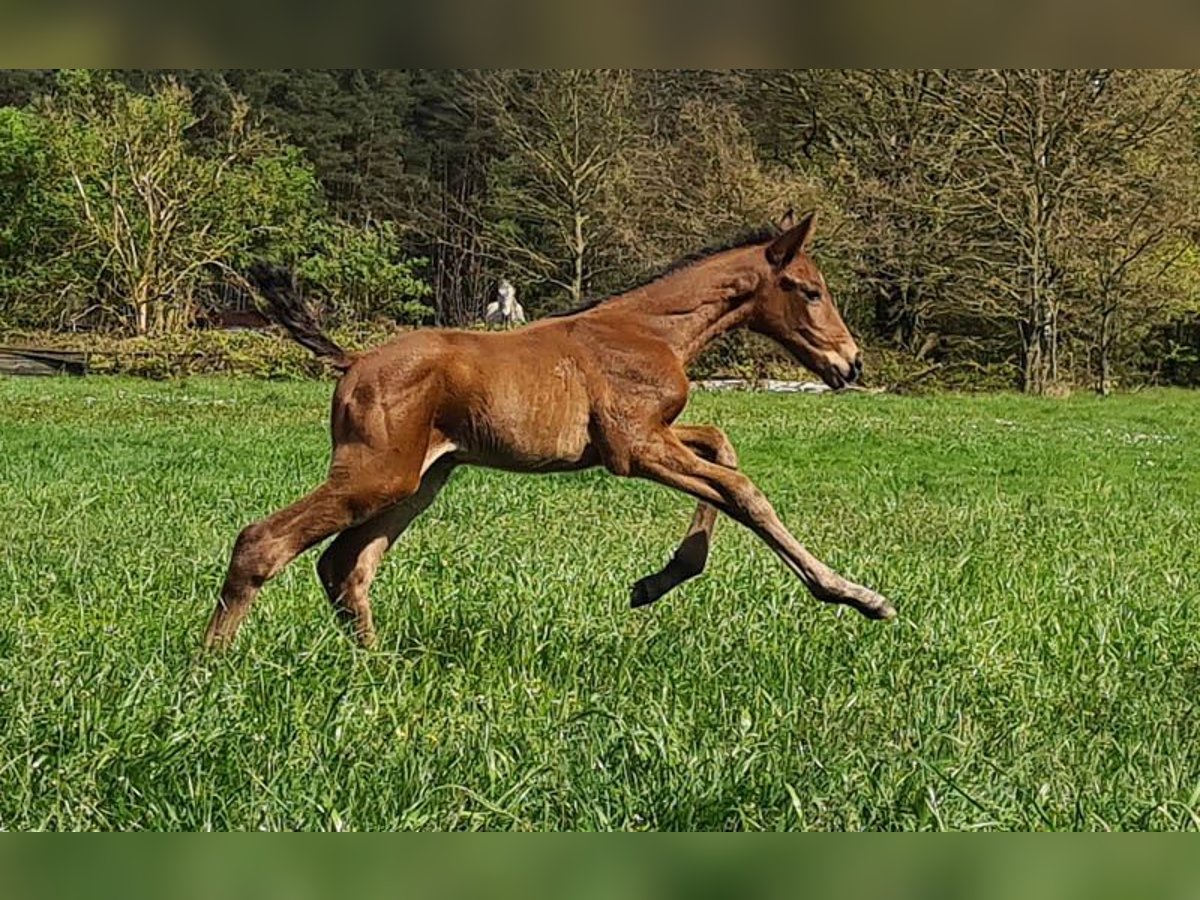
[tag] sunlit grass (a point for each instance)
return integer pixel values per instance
(1043, 673)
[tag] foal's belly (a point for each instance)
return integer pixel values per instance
(526, 419)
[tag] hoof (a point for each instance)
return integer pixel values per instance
(864, 600)
(874, 607)
(886, 611)
(641, 595)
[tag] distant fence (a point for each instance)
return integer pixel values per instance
(42, 361)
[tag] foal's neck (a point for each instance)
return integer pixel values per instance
(694, 306)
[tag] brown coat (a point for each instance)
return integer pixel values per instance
(602, 386)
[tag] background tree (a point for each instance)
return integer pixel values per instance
(1133, 262)
(561, 134)
(154, 217)
(1028, 144)
(695, 180)
(123, 215)
(1033, 226)
(889, 153)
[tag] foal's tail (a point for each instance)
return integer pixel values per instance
(278, 285)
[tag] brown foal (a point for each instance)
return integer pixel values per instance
(602, 386)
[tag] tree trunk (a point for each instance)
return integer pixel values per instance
(1031, 357)
(141, 313)
(896, 316)
(1102, 386)
(577, 251)
(1052, 344)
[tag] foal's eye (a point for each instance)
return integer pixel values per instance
(812, 294)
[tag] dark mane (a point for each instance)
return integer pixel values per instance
(745, 239)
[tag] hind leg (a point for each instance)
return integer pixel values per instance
(363, 486)
(692, 555)
(348, 565)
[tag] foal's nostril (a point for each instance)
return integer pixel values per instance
(856, 368)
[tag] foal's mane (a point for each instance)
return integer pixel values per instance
(745, 239)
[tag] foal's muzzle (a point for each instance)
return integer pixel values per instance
(856, 369)
(840, 374)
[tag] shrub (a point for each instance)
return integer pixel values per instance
(258, 354)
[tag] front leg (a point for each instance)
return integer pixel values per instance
(667, 460)
(691, 557)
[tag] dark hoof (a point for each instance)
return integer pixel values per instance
(641, 595)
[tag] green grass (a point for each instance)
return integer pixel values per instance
(1044, 671)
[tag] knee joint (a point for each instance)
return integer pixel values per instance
(756, 506)
(718, 449)
(749, 499)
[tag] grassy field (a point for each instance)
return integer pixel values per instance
(1044, 672)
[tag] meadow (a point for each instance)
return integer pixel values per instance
(1044, 556)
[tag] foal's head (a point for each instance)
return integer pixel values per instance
(792, 306)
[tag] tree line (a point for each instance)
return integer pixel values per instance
(1037, 223)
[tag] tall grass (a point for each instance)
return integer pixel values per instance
(1043, 672)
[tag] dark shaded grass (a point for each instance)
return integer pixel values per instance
(1043, 673)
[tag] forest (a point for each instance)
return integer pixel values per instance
(1026, 229)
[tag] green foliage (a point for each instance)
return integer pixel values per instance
(1042, 673)
(136, 218)
(353, 125)
(144, 221)
(362, 274)
(258, 354)
(33, 222)
(22, 164)
(582, 182)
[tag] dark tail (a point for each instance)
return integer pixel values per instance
(278, 285)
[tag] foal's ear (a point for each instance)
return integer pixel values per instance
(788, 220)
(784, 248)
